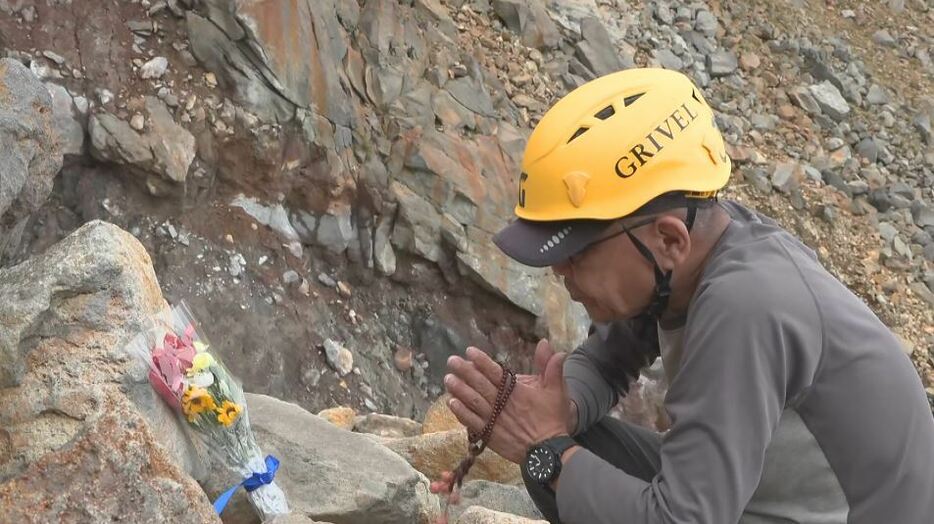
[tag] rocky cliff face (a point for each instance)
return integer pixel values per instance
(320, 181)
(267, 151)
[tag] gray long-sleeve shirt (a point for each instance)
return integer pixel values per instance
(791, 402)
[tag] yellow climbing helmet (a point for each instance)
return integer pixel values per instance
(604, 151)
(615, 143)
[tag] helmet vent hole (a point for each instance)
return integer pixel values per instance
(694, 95)
(605, 113)
(631, 99)
(578, 133)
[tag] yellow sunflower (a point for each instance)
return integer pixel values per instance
(228, 413)
(196, 400)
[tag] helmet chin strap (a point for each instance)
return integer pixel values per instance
(662, 292)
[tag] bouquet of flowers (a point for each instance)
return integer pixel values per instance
(198, 387)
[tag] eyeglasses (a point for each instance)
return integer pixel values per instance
(575, 258)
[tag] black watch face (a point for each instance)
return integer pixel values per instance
(541, 464)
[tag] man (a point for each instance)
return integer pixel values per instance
(789, 400)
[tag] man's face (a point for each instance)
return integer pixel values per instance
(610, 278)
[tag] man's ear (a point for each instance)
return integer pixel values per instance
(673, 242)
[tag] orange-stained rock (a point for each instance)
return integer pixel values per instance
(433, 453)
(342, 417)
(439, 417)
(403, 358)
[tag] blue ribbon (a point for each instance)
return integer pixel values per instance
(251, 483)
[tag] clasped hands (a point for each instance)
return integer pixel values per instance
(538, 408)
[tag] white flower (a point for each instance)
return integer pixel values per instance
(203, 379)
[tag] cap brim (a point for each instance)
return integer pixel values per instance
(542, 244)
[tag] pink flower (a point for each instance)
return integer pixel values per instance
(163, 389)
(170, 362)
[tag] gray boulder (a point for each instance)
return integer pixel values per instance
(706, 23)
(481, 515)
(922, 214)
(596, 50)
(884, 38)
(418, 226)
(530, 19)
(803, 98)
(787, 176)
(877, 95)
(830, 100)
(114, 140)
(668, 59)
(504, 498)
(69, 128)
(868, 148)
(30, 151)
(83, 436)
(333, 475)
(472, 95)
(295, 518)
(305, 224)
(383, 254)
(173, 147)
(154, 68)
(275, 217)
(336, 229)
(166, 149)
(722, 63)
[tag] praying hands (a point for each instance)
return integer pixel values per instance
(538, 408)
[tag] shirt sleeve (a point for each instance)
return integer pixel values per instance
(741, 362)
(587, 388)
(604, 366)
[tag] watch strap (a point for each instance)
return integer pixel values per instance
(560, 444)
(557, 445)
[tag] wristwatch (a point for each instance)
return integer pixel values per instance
(543, 460)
